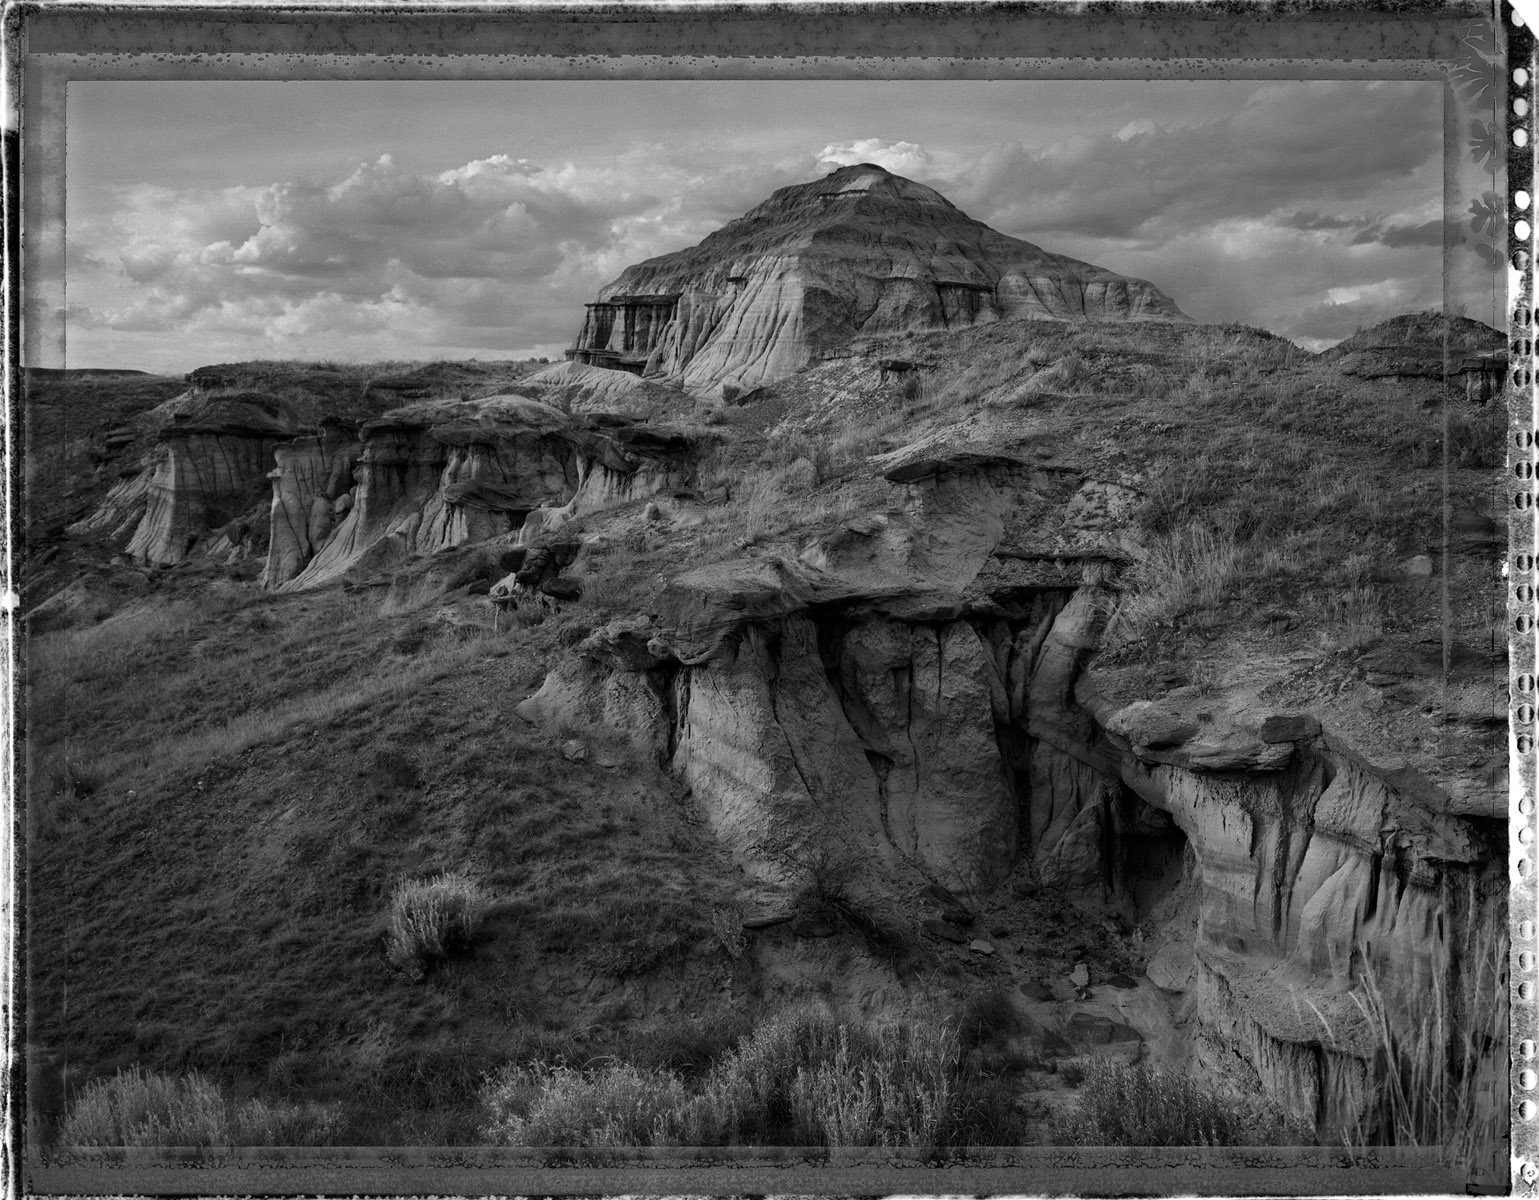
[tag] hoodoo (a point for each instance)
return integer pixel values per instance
(859, 252)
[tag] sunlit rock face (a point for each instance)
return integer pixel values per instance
(858, 252)
(445, 473)
(208, 468)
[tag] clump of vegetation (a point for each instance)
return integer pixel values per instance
(803, 1078)
(432, 919)
(1183, 571)
(1439, 1073)
(141, 1108)
(1143, 1105)
(989, 1017)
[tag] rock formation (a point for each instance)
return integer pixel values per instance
(318, 497)
(915, 694)
(444, 473)
(208, 468)
(858, 252)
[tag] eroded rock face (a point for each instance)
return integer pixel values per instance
(956, 728)
(209, 467)
(312, 482)
(444, 473)
(858, 252)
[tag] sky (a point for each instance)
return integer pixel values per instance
(350, 220)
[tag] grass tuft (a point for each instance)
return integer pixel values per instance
(141, 1108)
(432, 919)
(803, 1078)
(1143, 1105)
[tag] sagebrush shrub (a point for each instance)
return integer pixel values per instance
(614, 1105)
(141, 1108)
(1143, 1105)
(803, 1078)
(432, 918)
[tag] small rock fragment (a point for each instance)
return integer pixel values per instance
(1080, 976)
(574, 751)
(981, 946)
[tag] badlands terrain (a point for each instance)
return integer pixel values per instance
(882, 642)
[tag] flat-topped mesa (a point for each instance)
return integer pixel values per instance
(858, 252)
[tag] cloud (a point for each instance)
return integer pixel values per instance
(1311, 221)
(494, 243)
(1144, 181)
(901, 158)
(1249, 212)
(1427, 233)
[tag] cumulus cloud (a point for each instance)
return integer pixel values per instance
(482, 245)
(901, 158)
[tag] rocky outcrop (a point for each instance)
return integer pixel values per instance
(858, 252)
(208, 468)
(448, 472)
(312, 493)
(956, 729)
(233, 475)
(582, 388)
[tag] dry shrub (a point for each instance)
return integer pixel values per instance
(803, 1078)
(1143, 1105)
(1440, 1071)
(140, 1108)
(431, 919)
(1191, 569)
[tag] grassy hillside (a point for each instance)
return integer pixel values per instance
(226, 788)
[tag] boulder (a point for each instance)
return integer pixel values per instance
(562, 587)
(1288, 727)
(1147, 724)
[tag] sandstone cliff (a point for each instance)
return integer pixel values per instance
(858, 252)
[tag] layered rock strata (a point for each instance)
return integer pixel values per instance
(208, 468)
(444, 473)
(915, 696)
(858, 252)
